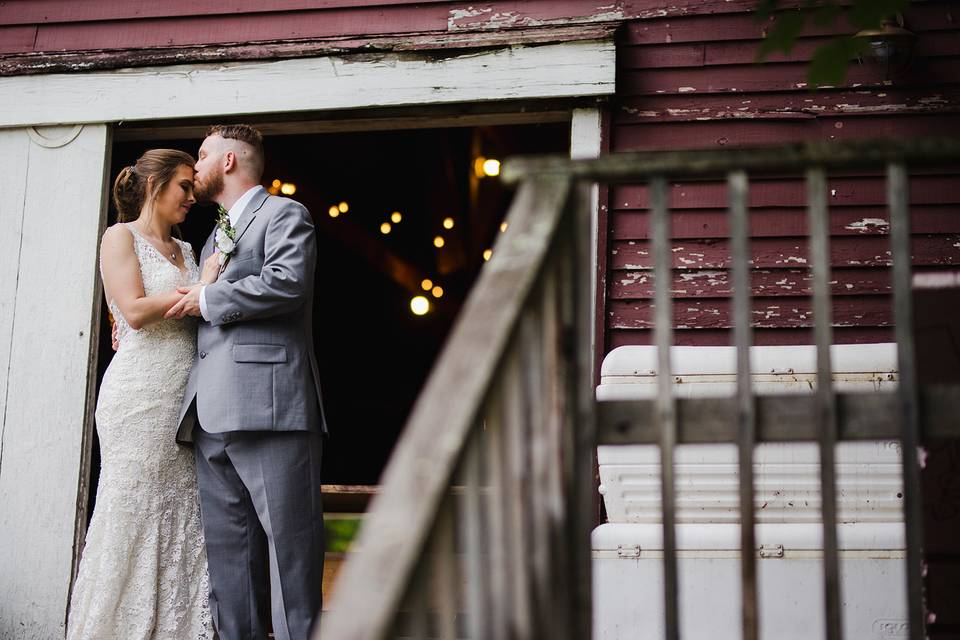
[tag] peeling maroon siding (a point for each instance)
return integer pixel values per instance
(691, 82)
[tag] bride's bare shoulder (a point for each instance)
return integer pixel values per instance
(117, 238)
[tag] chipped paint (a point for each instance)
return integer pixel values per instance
(867, 225)
(686, 89)
(485, 18)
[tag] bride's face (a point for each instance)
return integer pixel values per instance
(176, 198)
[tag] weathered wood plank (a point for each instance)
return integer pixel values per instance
(705, 134)
(922, 17)
(869, 251)
(931, 189)
(784, 418)
(714, 283)
(55, 307)
(711, 313)
(765, 336)
(618, 337)
(693, 107)
(52, 11)
(570, 69)
(772, 222)
(773, 76)
(704, 53)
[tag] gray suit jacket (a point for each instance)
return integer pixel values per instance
(255, 368)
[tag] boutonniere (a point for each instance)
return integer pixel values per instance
(226, 236)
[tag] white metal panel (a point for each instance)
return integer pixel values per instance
(560, 70)
(48, 363)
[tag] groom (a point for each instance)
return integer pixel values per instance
(252, 407)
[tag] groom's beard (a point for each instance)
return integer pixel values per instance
(206, 191)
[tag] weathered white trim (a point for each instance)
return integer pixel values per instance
(586, 142)
(52, 203)
(564, 70)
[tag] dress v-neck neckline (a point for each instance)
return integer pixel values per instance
(183, 270)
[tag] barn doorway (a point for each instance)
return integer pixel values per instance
(405, 220)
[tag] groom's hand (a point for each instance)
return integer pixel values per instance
(189, 304)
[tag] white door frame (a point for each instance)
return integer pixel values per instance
(57, 213)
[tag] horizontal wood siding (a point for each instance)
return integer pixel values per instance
(691, 82)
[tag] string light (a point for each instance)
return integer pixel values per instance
(333, 211)
(288, 188)
(385, 228)
(503, 226)
(420, 305)
(487, 254)
(448, 223)
(343, 207)
(437, 291)
(396, 217)
(438, 242)
(427, 284)
(491, 167)
(276, 184)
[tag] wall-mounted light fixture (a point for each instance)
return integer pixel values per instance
(889, 48)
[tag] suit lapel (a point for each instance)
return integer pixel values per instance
(249, 213)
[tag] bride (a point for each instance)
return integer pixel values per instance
(143, 574)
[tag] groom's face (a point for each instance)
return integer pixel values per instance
(208, 181)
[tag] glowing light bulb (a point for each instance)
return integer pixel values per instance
(343, 207)
(478, 166)
(385, 228)
(396, 217)
(276, 184)
(427, 284)
(288, 188)
(491, 167)
(420, 305)
(333, 211)
(438, 242)
(448, 223)
(437, 291)
(487, 254)
(503, 226)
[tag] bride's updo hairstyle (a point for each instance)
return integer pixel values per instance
(130, 188)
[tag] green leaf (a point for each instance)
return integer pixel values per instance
(829, 63)
(765, 9)
(783, 35)
(826, 14)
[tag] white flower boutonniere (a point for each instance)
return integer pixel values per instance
(225, 236)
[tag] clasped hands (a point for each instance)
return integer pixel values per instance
(189, 304)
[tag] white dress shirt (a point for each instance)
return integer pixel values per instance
(234, 214)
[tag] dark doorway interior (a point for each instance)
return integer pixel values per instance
(374, 352)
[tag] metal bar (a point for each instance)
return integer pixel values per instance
(780, 418)
(746, 419)
(471, 541)
(636, 166)
(576, 444)
(444, 585)
(500, 596)
(665, 402)
(897, 200)
(826, 411)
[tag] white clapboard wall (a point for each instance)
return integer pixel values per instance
(51, 208)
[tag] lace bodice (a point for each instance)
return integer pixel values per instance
(159, 274)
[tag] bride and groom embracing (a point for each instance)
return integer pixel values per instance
(225, 534)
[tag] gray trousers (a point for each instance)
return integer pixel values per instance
(263, 523)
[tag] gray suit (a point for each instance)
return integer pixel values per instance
(254, 412)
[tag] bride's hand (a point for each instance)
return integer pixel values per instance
(211, 269)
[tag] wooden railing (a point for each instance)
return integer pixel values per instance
(482, 526)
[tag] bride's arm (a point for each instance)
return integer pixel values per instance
(122, 282)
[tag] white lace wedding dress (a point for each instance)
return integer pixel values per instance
(143, 574)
